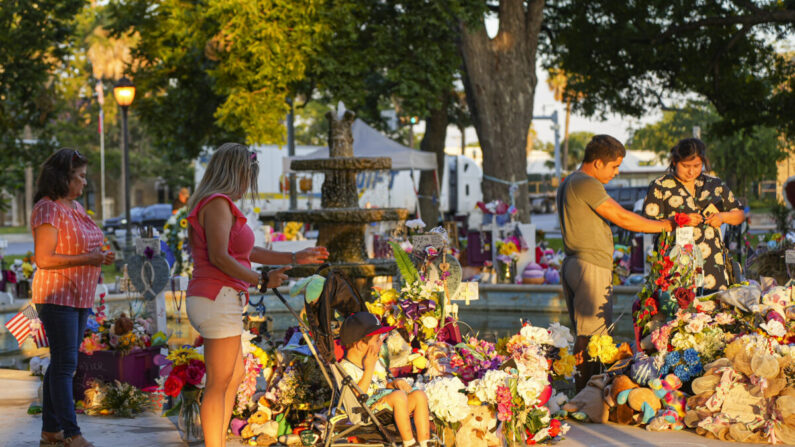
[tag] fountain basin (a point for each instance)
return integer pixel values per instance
(342, 164)
(344, 215)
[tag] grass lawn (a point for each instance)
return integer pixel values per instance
(13, 230)
(554, 243)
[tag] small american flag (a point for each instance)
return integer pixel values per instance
(19, 325)
(38, 334)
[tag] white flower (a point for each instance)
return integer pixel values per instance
(536, 335)
(415, 224)
(561, 335)
(529, 389)
(445, 399)
(695, 326)
(430, 322)
(245, 340)
(485, 389)
(724, 318)
(774, 328)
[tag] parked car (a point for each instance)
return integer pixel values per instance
(156, 215)
(627, 196)
(114, 223)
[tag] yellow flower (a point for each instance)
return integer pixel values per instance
(388, 296)
(474, 401)
(181, 243)
(375, 308)
(166, 227)
(257, 209)
(89, 212)
(183, 223)
(182, 356)
(391, 321)
(419, 363)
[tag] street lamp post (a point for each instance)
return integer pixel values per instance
(124, 92)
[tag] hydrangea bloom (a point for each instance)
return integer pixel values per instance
(445, 399)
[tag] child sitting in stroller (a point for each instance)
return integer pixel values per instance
(362, 335)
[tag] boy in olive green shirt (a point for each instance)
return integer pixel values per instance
(586, 274)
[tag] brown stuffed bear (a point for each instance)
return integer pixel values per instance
(122, 325)
(623, 412)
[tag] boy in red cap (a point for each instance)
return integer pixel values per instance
(362, 335)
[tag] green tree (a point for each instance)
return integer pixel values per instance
(630, 57)
(31, 48)
(217, 71)
(576, 142)
(399, 55)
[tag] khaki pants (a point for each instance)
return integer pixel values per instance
(588, 290)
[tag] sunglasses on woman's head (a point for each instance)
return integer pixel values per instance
(252, 155)
(77, 156)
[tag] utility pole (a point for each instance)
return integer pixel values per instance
(291, 152)
(556, 128)
(101, 100)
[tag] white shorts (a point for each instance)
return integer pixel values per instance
(219, 318)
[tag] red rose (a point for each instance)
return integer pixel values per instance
(195, 372)
(649, 301)
(554, 428)
(681, 219)
(180, 371)
(173, 385)
(684, 297)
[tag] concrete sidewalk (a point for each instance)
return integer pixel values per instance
(18, 390)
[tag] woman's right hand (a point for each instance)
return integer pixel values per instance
(96, 257)
(277, 277)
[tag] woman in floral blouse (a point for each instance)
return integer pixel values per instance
(687, 189)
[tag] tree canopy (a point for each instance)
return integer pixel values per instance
(632, 57)
(32, 37)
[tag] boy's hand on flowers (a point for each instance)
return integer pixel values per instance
(401, 385)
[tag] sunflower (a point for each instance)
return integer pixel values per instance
(183, 223)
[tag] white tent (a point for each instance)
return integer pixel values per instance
(368, 142)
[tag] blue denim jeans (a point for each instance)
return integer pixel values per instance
(64, 326)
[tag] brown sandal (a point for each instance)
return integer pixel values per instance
(51, 439)
(76, 441)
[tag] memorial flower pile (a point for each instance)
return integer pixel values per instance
(120, 334)
(175, 235)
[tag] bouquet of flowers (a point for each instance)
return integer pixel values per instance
(175, 235)
(121, 334)
(115, 399)
(675, 271)
(186, 371)
(474, 358)
(698, 331)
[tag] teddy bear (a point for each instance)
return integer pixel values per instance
(620, 411)
(590, 402)
(477, 429)
(671, 416)
(122, 325)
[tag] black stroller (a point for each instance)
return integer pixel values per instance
(348, 414)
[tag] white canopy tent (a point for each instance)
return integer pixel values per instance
(368, 142)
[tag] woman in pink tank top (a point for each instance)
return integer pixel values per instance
(223, 250)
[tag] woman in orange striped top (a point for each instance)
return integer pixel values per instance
(68, 254)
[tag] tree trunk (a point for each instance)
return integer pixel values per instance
(463, 130)
(433, 141)
(500, 85)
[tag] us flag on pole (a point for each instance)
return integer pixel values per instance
(19, 325)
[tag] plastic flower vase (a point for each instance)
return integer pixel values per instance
(189, 420)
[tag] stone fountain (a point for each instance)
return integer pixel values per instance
(340, 222)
